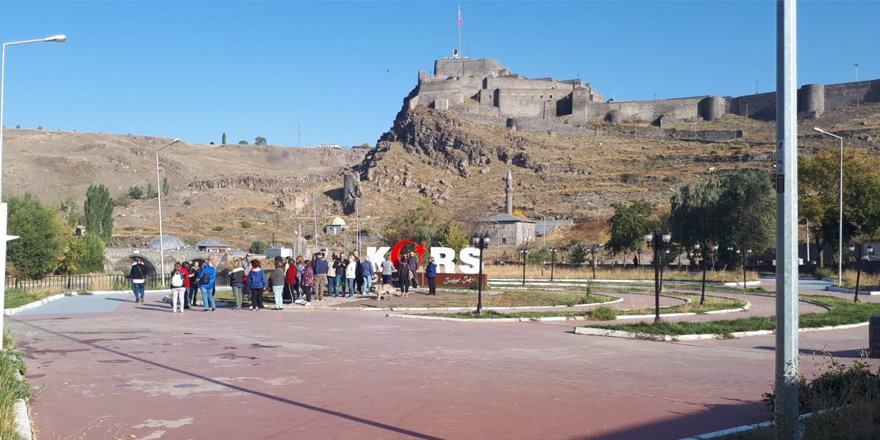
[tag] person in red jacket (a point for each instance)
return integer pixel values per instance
(290, 280)
(184, 272)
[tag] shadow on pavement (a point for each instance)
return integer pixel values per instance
(856, 353)
(303, 405)
(737, 411)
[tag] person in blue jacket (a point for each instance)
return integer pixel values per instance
(431, 275)
(207, 277)
(367, 271)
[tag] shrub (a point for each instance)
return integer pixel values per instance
(822, 273)
(604, 313)
(257, 247)
(245, 224)
(217, 228)
(135, 192)
(187, 202)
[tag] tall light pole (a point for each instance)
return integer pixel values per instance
(159, 192)
(3, 207)
(839, 210)
(552, 262)
(524, 252)
(481, 241)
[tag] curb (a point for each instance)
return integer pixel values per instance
(445, 318)
(699, 337)
(22, 416)
(744, 308)
(853, 291)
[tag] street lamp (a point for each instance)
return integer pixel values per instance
(3, 207)
(481, 241)
(839, 210)
(744, 254)
(859, 267)
(524, 252)
(656, 242)
(707, 250)
(730, 256)
(159, 192)
(552, 262)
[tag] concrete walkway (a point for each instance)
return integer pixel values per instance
(110, 368)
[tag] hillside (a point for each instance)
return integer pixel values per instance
(239, 193)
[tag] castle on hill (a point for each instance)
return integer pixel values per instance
(484, 90)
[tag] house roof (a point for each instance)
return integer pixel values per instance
(337, 221)
(211, 243)
(505, 218)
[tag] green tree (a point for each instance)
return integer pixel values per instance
(92, 257)
(628, 225)
(260, 140)
(151, 193)
(223, 139)
(68, 207)
(242, 142)
(72, 251)
(452, 236)
(749, 210)
(166, 188)
(98, 212)
(818, 193)
(577, 252)
(40, 241)
(258, 247)
(422, 224)
(135, 192)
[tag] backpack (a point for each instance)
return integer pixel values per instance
(206, 277)
(176, 279)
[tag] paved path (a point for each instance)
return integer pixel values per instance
(123, 369)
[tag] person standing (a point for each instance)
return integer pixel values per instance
(340, 262)
(276, 280)
(308, 281)
(290, 279)
(367, 272)
(236, 281)
(177, 288)
(404, 274)
(413, 263)
(358, 273)
(256, 283)
(350, 275)
(300, 267)
(207, 277)
(431, 275)
(246, 266)
(320, 268)
(194, 283)
(138, 275)
(331, 277)
(184, 272)
(387, 270)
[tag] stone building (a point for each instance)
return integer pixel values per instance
(507, 229)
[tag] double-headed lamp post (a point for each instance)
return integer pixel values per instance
(159, 192)
(481, 241)
(524, 252)
(656, 242)
(859, 266)
(839, 210)
(3, 207)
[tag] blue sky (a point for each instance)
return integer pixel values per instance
(339, 70)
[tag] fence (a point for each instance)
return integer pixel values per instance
(89, 283)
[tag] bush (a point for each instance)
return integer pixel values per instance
(135, 192)
(258, 247)
(187, 202)
(217, 228)
(822, 273)
(123, 201)
(245, 224)
(604, 313)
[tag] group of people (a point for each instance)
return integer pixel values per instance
(300, 280)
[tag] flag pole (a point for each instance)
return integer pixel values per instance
(459, 30)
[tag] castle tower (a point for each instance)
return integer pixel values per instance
(509, 192)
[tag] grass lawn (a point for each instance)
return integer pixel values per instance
(505, 299)
(840, 312)
(16, 298)
(10, 388)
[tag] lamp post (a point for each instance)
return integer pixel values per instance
(730, 256)
(524, 252)
(3, 207)
(839, 210)
(859, 267)
(481, 241)
(656, 242)
(159, 192)
(744, 254)
(552, 262)
(707, 250)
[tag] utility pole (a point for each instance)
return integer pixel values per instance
(786, 407)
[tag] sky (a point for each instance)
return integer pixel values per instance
(335, 72)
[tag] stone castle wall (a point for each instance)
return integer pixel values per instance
(488, 91)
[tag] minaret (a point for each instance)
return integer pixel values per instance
(509, 192)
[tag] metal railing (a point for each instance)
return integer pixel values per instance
(89, 283)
